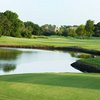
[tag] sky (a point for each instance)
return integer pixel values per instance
(58, 12)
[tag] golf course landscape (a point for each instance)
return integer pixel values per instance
(51, 86)
(49, 50)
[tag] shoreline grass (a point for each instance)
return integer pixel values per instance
(92, 61)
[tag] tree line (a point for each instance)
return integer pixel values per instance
(11, 25)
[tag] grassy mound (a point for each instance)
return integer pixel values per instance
(50, 86)
(90, 65)
(92, 61)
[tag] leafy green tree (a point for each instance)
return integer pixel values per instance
(27, 30)
(29, 26)
(34, 29)
(15, 24)
(37, 30)
(63, 30)
(81, 32)
(72, 32)
(89, 27)
(11, 25)
(26, 33)
(5, 25)
(48, 30)
(97, 30)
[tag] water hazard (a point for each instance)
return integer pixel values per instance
(17, 61)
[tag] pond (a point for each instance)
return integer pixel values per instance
(18, 61)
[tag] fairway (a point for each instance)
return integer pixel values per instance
(56, 41)
(50, 86)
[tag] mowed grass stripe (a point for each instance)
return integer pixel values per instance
(93, 43)
(50, 86)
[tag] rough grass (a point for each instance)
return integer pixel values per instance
(50, 86)
(93, 43)
(92, 61)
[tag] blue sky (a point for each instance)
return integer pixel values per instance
(59, 12)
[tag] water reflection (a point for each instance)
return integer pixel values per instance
(7, 67)
(8, 54)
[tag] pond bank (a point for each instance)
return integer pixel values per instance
(70, 48)
(85, 67)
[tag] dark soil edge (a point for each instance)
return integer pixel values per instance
(71, 48)
(85, 67)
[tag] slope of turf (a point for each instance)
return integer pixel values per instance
(50, 86)
(93, 43)
(92, 61)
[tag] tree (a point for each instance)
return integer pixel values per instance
(11, 25)
(97, 30)
(72, 31)
(15, 24)
(81, 31)
(37, 30)
(33, 28)
(5, 25)
(26, 33)
(48, 30)
(89, 27)
(63, 30)
(27, 30)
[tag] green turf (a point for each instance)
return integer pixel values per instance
(93, 43)
(50, 86)
(92, 61)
